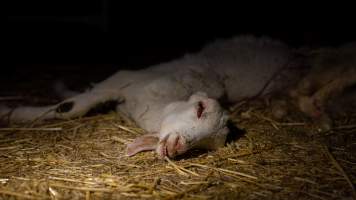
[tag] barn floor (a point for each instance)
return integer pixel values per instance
(264, 159)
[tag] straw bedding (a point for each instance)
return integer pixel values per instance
(263, 159)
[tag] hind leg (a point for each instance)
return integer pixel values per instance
(70, 108)
(76, 106)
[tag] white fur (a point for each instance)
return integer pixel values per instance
(157, 98)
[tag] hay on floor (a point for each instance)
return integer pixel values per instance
(84, 159)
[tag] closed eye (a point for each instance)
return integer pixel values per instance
(200, 109)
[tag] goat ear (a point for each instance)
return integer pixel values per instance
(143, 143)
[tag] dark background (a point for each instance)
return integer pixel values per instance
(107, 35)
